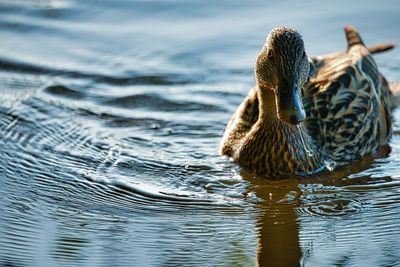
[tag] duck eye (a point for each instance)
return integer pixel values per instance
(270, 53)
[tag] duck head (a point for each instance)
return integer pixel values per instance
(283, 68)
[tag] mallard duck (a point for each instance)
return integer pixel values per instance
(306, 115)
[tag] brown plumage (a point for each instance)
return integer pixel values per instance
(309, 114)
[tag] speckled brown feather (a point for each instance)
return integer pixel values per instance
(240, 124)
(348, 104)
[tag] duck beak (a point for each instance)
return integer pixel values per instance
(289, 104)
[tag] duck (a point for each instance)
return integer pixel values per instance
(307, 115)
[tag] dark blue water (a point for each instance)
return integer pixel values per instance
(111, 114)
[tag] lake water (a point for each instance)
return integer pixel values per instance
(111, 113)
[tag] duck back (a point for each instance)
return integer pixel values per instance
(348, 102)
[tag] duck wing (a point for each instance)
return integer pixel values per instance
(245, 116)
(348, 101)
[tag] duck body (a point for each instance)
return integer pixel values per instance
(346, 100)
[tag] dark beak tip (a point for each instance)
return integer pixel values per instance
(295, 120)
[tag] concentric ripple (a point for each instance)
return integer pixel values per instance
(333, 207)
(320, 201)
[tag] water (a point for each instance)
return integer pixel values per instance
(111, 113)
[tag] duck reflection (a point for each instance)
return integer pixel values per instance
(278, 234)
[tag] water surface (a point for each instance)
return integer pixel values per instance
(111, 113)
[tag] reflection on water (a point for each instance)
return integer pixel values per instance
(278, 242)
(111, 113)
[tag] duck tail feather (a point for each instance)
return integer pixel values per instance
(352, 36)
(394, 87)
(380, 48)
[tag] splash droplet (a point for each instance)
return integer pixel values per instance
(330, 164)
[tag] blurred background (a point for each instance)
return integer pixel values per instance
(111, 113)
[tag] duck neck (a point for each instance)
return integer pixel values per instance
(267, 104)
(277, 147)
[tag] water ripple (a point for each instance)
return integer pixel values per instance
(132, 79)
(157, 102)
